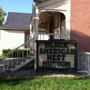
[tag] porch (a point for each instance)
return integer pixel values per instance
(49, 25)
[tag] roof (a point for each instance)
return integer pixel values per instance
(19, 21)
(39, 1)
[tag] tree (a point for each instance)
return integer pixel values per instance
(2, 15)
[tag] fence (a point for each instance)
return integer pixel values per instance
(84, 62)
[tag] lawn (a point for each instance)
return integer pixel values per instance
(45, 83)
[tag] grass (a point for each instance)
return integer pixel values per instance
(44, 83)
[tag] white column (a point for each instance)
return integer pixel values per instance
(36, 22)
(68, 16)
(36, 31)
(30, 27)
(67, 32)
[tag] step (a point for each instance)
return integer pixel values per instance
(22, 63)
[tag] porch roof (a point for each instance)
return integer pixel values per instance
(18, 21)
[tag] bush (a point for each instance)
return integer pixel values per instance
(20, 52)
(4, 51)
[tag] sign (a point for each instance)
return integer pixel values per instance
(56, 54)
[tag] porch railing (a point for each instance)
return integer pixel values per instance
(17, 54)
(46, 36)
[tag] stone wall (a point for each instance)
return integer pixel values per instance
(84, 62)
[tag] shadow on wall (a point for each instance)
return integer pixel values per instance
(83, 40)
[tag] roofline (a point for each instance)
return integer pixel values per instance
(14, 28)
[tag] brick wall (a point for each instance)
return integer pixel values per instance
(80, 24)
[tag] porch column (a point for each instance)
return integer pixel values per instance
(68, 19)
(36, 22)
(36, 32)
(67, 32)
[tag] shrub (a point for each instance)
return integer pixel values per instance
(4, 51)
(19, 53)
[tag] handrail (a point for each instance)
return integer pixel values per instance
(51, 33)
(15, 59)
(46, 36)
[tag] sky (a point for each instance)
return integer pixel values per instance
(22, 6)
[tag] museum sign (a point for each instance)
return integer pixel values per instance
(56, 54)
